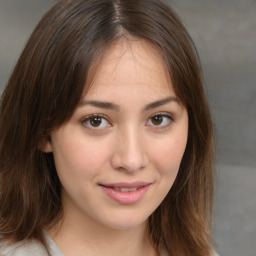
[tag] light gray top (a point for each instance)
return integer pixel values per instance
(31, 248)
(35, 248)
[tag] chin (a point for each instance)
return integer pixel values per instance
(126, 221)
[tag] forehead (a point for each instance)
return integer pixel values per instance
(130, 64)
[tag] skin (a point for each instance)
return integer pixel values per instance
(132, 140)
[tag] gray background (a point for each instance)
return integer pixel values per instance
(225, 35)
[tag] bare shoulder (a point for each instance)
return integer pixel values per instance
(24, 248)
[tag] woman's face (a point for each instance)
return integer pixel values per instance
(119, 154)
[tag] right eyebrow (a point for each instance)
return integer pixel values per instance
(100, 104)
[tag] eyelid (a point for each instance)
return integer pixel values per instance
(95, 115)
(166, 114)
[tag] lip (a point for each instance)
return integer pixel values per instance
(125, 197)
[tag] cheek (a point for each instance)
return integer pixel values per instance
(167, 154)
(78, 157)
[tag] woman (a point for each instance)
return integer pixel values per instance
(106, 137)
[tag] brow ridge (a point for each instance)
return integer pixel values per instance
(112, 106)
(159, 103)
(100, 104)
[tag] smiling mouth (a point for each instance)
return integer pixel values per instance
(126, 189)
(126, 193)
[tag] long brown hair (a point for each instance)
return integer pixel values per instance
(45, 88)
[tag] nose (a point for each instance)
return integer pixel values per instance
(130, 151)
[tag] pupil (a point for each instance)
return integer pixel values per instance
(157, 120)
(95, 121)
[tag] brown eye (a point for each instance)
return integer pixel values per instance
(160, 120)
(157, 119)
(95, 122)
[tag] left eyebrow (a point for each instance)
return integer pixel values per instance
(159, 103)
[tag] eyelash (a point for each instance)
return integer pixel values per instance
(87, 121)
